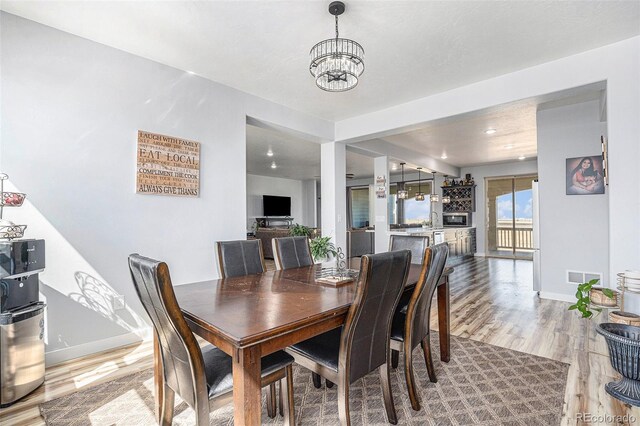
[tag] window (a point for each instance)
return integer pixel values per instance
(409, 211)
(359, 207)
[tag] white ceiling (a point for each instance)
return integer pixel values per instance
(413, 48)
(295, 158)
(464, 142)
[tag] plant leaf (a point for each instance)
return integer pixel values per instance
(608, 292)
(572, 307)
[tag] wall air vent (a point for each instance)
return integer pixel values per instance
(579, 277)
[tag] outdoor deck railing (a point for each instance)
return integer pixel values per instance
(523, 237)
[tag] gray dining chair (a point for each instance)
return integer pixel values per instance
(348, 353)
(241, 257)
(410, 325)
(202, 377)
(291, 252)
(416, 243)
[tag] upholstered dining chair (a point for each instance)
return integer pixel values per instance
(410, 325)
(242, 257)
(291, 252)
(203, 377)
(416, 243)
(361, 345)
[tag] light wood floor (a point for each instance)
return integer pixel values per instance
(491, 301)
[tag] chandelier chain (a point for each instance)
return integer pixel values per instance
(336, 27)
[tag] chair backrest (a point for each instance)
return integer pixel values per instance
(417, 245)
(364, 344)
(291, 252)
(238, 258)
(183, 366)
(419, 306)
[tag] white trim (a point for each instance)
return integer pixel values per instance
(479, 255)
(557, 296)
(77, 351)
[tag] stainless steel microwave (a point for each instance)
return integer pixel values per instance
(460, 219)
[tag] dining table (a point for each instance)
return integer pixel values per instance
(251, 316)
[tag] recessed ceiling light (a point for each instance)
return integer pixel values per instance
(490, 131)
(273, 165)
(443, 156)
(522, 157)
(508, 146)
(269, 153)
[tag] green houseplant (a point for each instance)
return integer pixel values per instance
(298, 230)
(583, 304)
(322, 248)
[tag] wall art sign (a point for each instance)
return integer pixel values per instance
(585, 175)
(381, 180)
(381, 192)
(167, 165)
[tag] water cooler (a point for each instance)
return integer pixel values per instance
(21, 312)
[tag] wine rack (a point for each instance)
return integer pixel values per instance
(463, 198)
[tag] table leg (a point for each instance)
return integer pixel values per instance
(444, 322)
(158, 378)
(246, 386)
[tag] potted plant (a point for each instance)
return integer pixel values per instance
(322, 249)
(298, 230)
(585, 293)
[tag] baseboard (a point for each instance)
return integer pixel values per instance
(65, 354)
(558, 296)
(479, 255)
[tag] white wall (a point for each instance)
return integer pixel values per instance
(574, 229)
(479, 173)
(257, 186)
(71, 109)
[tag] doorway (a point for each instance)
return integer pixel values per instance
(510, 217)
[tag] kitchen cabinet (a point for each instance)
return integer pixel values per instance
(461, 242)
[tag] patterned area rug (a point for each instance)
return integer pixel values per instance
(482, 384)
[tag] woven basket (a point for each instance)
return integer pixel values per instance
(627, 318)
(597, 297)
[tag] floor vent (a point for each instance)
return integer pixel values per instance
(578, 277)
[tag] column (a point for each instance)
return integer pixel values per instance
(381, 213)
(333, 170)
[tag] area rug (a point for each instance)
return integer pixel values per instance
(482, 384)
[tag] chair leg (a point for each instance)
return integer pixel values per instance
(202, 414)
(271, 401)
(343, 401)
(329, 384)
(428, 359)
(385, 381)
(166, 408)
(280, 400)
(317, 380)
(411, 380)
(286, 386)
(395, 358)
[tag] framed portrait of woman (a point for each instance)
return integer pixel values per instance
(585, 175)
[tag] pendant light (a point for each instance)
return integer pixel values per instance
(434, 197)
(337, 63)
(403, 194)
(419, 194)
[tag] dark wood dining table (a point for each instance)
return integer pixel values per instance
(252, 316)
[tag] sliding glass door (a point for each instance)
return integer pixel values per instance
(509, 224)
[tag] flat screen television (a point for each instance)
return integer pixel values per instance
(276, 206)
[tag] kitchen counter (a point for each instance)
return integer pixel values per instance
(461, 240)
